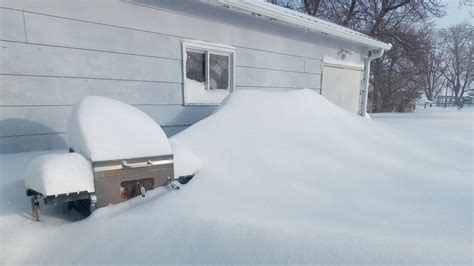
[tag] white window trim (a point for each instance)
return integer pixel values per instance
(342, 66)
(213, 48)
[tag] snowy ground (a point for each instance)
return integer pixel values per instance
(286, 178)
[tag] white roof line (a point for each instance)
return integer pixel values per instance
(296, 18)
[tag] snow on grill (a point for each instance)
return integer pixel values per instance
(117, 152)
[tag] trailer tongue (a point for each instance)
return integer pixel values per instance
(116, 149)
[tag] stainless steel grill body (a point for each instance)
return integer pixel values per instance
(119, 180)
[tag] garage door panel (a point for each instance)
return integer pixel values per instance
(331, 85)
(351, 90)
(342, 85)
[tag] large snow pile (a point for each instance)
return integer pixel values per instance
(286, 178)
(185, 161)
(60, 173)
(104, 129)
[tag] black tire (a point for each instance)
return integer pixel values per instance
(185, 179)
(83, 206)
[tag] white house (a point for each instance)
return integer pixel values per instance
(175, 60)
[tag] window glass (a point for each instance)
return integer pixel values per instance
(196, 66)
(209, 73)
(218, 72)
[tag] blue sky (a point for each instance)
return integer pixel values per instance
(454, 14)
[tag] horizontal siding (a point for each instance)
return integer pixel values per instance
(153, 19)
(252, 77)
(11, 25)
(312, 66)
(54, 141)
(25, 120)
(276, 44)
(33, 143)
(19, 58)
(31, 90)
(19, 121)
(78, 34)
(127, 15)
(262, 59)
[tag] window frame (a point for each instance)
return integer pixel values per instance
(207, 48)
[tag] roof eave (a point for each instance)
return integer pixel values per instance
(302, 20)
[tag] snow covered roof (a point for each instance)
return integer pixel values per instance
(286, 15)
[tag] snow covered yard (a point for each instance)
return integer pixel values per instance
(286, 178)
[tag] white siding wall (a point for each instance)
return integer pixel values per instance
(55, 52)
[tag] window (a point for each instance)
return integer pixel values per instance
(208, 72)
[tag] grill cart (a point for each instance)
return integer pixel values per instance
(117, 152)
(58, 178)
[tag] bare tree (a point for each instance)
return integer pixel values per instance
(459, 48)
(311, 6)
(467, 4)
(429, 61)
(291, 4)
(394, 85)
(395, 81)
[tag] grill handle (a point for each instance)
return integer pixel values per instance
(136, 165)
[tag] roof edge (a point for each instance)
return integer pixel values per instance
(296, 18)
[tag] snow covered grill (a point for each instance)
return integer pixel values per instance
(117, 152)
(120, 180)
(129, 152)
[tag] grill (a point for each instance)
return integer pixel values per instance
(119, 180)
(109, 161)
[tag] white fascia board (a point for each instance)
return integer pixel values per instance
(303, 20)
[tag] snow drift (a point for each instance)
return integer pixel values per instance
(286, 178)
(196, 93)
(104, 129)
(60, 173)
(185, 161)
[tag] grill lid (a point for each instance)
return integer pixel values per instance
(104, 129)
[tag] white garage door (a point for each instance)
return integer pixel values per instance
(341, 85)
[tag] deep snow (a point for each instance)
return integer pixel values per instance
(196, 93)
(287, 177)
(104, 129)
(60, 173)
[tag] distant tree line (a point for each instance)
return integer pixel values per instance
(422, 57)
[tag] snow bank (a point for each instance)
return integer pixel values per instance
(287, 178)
(197, 93)
(64, 173)
(105, 129)
(185, 161)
